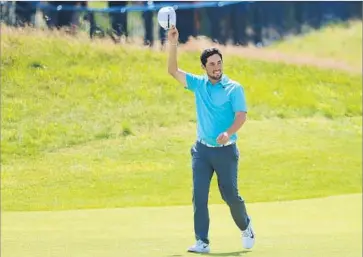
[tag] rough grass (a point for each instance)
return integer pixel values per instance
(280, 160)
(341, 42)
(93, 125)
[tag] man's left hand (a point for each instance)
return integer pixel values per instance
(223, 138)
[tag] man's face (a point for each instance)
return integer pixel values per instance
(214, 67)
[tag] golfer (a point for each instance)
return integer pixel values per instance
(221, 112)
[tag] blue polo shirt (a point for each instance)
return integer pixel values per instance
(216, 105)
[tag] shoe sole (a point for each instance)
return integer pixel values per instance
(191, 251)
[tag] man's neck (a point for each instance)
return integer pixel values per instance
(214, 81)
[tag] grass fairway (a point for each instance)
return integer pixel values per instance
(326, 227)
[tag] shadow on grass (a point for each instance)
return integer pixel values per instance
(239, 253)
(230, 254)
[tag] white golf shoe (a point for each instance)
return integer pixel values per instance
(248, 237)
(199, 247)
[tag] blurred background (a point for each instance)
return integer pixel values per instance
(238, 23)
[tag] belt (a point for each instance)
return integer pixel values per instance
(209, 145)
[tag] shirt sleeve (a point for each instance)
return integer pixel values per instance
(192, 81)
(238, 99)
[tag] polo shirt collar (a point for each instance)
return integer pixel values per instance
(224, 80)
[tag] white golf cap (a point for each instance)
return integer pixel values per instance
(167, 17)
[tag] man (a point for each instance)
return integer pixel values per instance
(221, 112)
(24, 12)
(118, 20)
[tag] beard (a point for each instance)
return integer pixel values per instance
(215, 76)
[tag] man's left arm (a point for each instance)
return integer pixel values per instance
(238, 101)
(239, 120)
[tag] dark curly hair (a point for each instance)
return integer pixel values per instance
(209, 52)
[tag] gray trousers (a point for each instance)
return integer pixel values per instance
(224, 161)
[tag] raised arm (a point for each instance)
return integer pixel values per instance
(178, 74)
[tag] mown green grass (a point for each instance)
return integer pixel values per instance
(340, 42)
(329, 227)
(93, 125)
